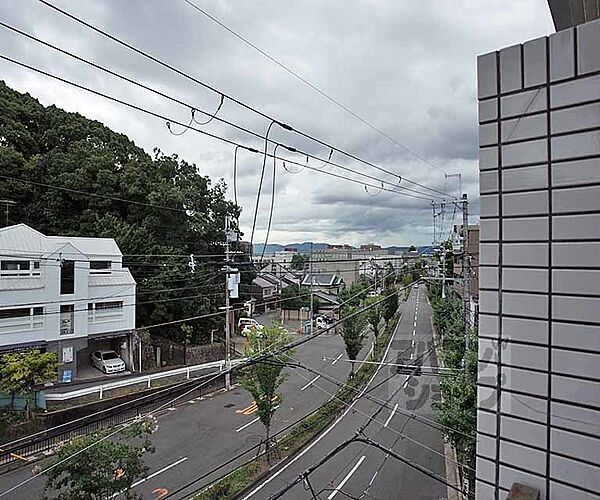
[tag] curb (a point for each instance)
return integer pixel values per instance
(452, 470)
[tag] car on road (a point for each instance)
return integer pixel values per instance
(107, 361)
(246, 325)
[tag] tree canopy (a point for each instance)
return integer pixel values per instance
(73, 176)
(103, 468)
(263, 378)
(21, 371)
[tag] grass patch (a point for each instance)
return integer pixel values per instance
(305, 430)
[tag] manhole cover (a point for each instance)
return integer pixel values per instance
(229, 405)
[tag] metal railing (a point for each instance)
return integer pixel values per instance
(26, 448)
(101, 389)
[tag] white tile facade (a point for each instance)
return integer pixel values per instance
(539, 393)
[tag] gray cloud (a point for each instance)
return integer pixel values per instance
(409, 67)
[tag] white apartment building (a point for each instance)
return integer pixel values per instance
(538, 416)
(63, 294)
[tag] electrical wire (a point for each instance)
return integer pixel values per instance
(187, 126)
(262, 254)
(235, 174)
(210, 117)
(311, 85)
(260, 183)
(229, 97)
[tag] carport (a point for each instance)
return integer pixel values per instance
(120, 342)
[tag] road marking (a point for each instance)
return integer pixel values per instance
(252, 421)
(326, 431)
(160, 493)
(311, 382)
(406, 382)
(337, 359)
(154, 474)
(249, 410)
(348, 476)
(247, 425)
(391, 415)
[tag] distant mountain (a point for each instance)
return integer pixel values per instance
(301, 247)
(305, 248)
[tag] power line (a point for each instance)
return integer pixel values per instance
(260, 183)
(162, 117)
(192, 120)
(266, 242)
(221, 93)
(311, 85)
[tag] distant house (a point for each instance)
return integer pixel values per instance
(324, 282)
(265, 293)
(65, 294)
(328, 304)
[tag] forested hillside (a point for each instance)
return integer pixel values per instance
(152, 205)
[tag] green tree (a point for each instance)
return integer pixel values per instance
(457, 410)
(412, 248)
(390, 275)
(298, 262)
(374, 313)
(173, 208)
(103, 467)
(354, 294)
(262, 379)
(295, 297)
(353, 333)
(390, 306)
(21, 371)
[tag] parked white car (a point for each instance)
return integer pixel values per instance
(245, 325)
(108, 361)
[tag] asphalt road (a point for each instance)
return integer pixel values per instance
(359, 470)
(204, 432)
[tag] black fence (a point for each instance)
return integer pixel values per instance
(23, 449)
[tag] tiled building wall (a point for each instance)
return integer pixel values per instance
(539, 387)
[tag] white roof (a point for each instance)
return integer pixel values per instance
(24, 240)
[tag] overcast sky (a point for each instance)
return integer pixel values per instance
(407, 66)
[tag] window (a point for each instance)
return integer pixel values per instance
(67, 312)
(15, 313)
(100, 266)
(19, 268)
(105, 306)
(105, 311)
(67, 277)
(21, 319)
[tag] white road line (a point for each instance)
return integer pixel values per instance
(247, 425)
(326, 431)
(337, 359)
(391, 415)
(405, 382)
(154, 474)
(311, 382)
(348, 476)
(252, 421)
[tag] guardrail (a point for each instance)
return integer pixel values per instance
(25, 448)
(147, 379)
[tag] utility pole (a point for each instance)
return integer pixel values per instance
(443, 272)
(227, 319)
(466, 270)
(7, 204)
(311, 288)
